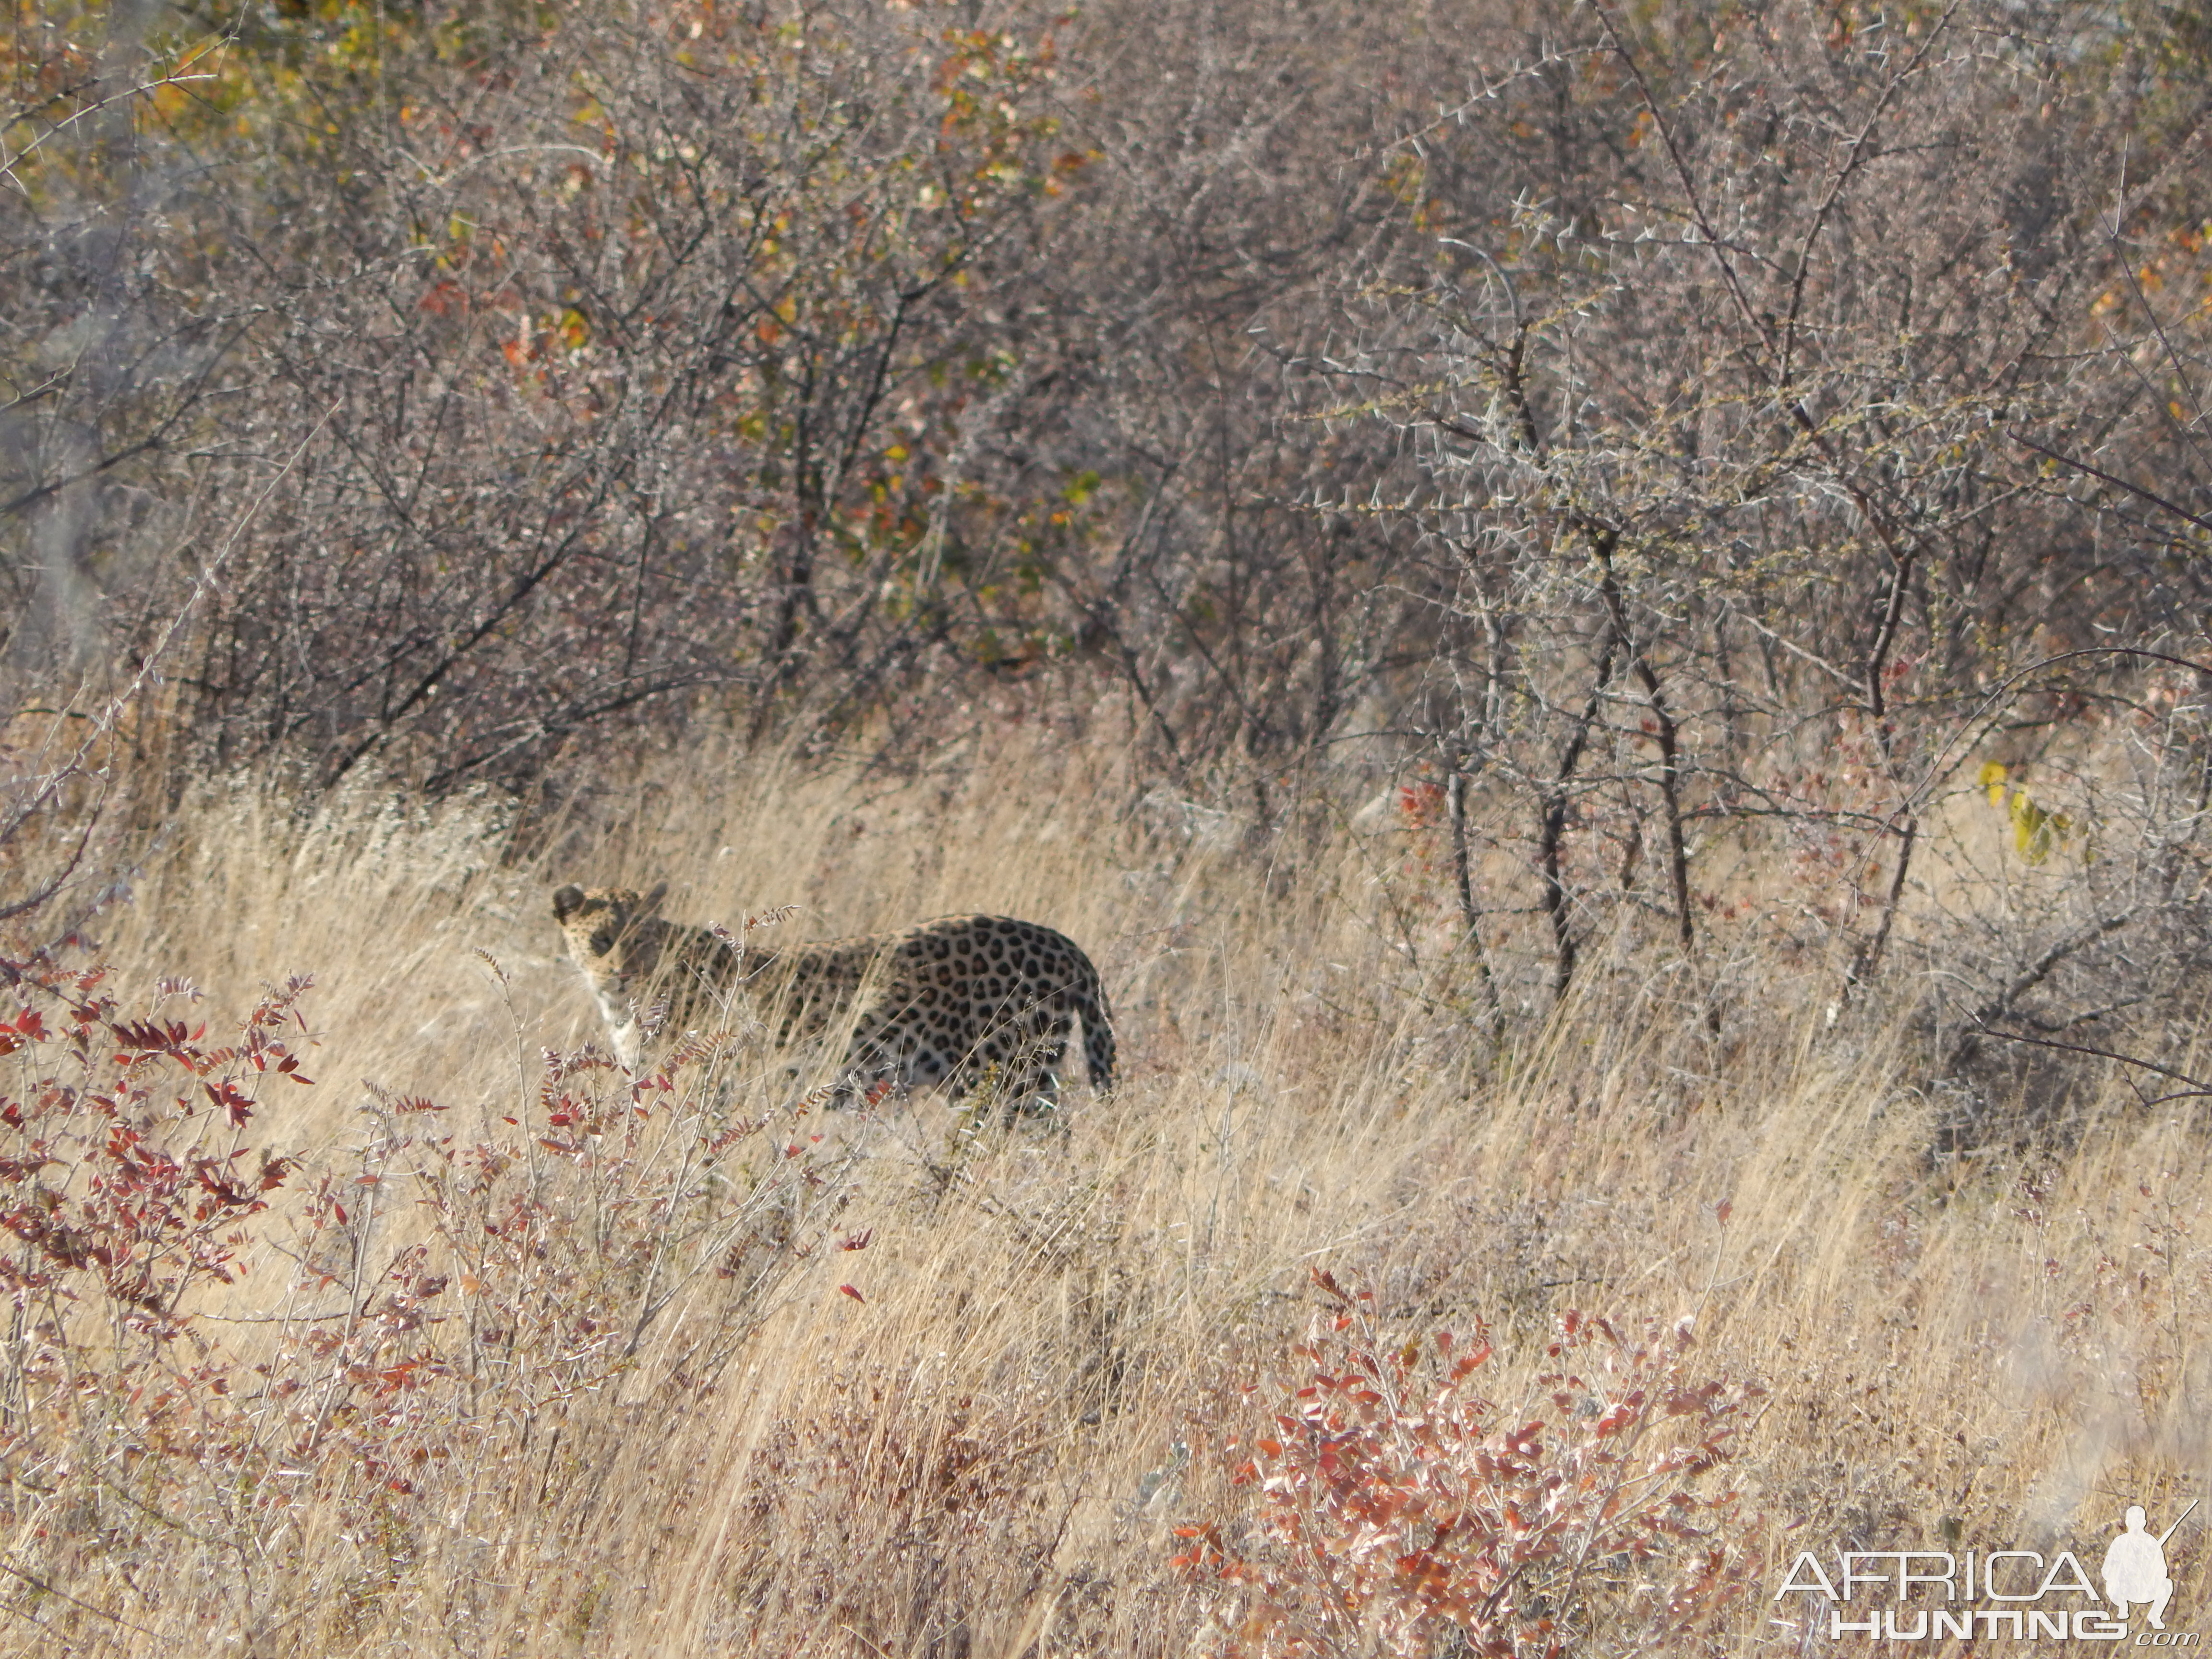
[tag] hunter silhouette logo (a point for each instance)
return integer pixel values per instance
(2134, 1567)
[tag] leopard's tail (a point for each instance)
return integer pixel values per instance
(1087, 997)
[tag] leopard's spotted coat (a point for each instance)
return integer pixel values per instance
(948, 1002)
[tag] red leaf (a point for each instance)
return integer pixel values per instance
(225, 1094)
(1616, 1419)
(855, 1294)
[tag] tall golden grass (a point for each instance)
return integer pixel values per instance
(977, 1431)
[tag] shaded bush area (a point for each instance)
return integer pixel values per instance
(496, 374)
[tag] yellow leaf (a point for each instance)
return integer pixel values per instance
(2035, 831)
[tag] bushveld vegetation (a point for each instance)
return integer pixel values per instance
(1598, 616)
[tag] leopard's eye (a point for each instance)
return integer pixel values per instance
(602, 943)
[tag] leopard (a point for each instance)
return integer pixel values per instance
(950, 1003)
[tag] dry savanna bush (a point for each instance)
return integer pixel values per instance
(1766, 370)
(1324, 1334)
(1682, 438)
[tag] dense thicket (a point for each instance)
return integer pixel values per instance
(1669, 440)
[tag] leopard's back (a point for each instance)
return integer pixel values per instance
(957, 1001)
(954, 1001)
(968, 994)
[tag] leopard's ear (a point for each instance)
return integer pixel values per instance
(567, 901)
(651, 902)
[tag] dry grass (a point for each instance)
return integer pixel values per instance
(985, 1450)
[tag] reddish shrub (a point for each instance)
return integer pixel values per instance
(1400, 1513)
(398, 1370)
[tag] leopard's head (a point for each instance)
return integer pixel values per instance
(602, 928)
